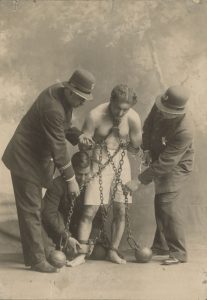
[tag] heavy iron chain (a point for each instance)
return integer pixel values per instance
(63, 244)
(100, 170)
(73, 199)
(104, 212)
(117, 171)
(101, 166)
(130, 238)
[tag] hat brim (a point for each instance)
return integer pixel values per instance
(166, 109)
(85, 96)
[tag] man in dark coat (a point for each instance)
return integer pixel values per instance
(56, 208)
(168, 153)
(36, 148)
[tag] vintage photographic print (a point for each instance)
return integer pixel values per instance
(103, 119)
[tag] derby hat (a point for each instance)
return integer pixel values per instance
(81, 83)
(174, 100)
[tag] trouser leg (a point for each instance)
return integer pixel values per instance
(48, 243)
(28, 202)
(159, 241)
(171, 219)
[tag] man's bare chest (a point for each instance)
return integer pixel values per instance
(106, 127)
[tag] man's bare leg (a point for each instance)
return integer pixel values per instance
(118, 225)
(84, 230)
(85, 226)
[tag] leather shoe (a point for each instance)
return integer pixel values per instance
(44, 267)
(171, 261)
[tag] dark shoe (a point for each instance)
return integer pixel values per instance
(158, 252)
(44, 267)
(171, 261)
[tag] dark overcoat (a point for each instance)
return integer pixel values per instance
(170, 142)
(39, 144)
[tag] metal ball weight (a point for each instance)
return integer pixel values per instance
(57, 259)
(143, 255)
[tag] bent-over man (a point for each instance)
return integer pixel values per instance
(56, 206)
(168, 152)
(37, 146)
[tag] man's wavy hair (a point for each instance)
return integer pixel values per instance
(80, 160)
(123, 93)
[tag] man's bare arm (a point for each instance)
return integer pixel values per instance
(135, 130)
(89, 125)
(88, 130)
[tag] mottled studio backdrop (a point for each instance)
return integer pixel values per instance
(147, 44)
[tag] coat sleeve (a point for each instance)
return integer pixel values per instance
(53, 127)
(72, 135)
(169, 158)
(51, 216)
(148, 123)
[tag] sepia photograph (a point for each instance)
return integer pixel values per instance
(103, 146)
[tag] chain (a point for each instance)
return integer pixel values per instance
(70, 212)
(102, 234)
(130, 239)
(63, 244)
(116, 171)
(104, 212)
(101, 167)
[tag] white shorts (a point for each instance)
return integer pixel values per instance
(92, 193)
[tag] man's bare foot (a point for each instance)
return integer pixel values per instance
(79, 260)
(115, 258)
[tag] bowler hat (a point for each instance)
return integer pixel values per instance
(174, 100)
(81, 83)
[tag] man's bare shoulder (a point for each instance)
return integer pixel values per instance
(99, 111)
(133, 115)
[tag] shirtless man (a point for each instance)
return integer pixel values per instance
(111, 122)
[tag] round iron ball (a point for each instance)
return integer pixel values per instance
(57, 259)
(143, 255)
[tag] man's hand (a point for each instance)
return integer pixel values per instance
(133, 150)
(73, 188)
(147, 159)
(133, 185)
(86, 140)
(74, 244)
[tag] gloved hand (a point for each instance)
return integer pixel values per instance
(147, 159)
(74, 244)
(73, 188)
(132, 185)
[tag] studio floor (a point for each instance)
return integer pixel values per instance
(100, 279)
(104, 280)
